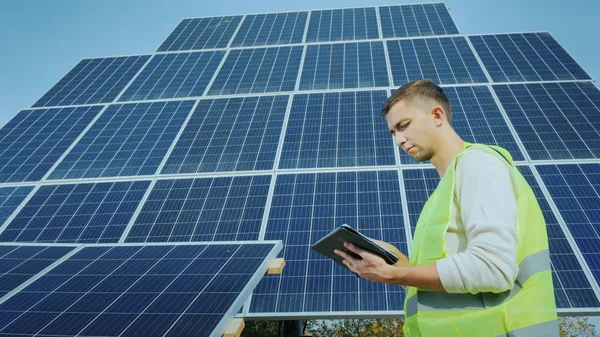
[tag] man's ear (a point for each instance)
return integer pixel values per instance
(438, 114)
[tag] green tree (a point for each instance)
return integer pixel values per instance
(261, 329)
(357, 328)
(576, 327)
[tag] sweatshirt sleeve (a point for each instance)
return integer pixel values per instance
(488, 207)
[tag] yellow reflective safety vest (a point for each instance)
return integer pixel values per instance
(528, 309)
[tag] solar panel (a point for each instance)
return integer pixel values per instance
(337, 129)
(202, 33)
(271, 29)
(575, 189)
(78, 213)
(174, 75)
(20, 263)
(344, 65)
(306, 207)
(447, 60)
(477, 119)
(206, 209)
(258, 70)
(127, 140)
(33, 141)
(342, 25)
(10, 199)
(174, 290)
(416, 20)
(92, 81)
(571, 286)
(230, 134)
(526, 57)
(267, 125)
(554, 120)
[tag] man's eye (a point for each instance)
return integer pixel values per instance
(404, 126)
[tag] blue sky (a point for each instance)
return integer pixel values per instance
(42, 39)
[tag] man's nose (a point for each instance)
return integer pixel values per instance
(400, 139)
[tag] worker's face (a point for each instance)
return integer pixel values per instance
(415, 127)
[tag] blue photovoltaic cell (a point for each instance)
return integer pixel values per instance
(571, 286)
(10, 199)
(344, 65)
(477, 119)
(206, 209)
(526, 57)
(342, 25)
(575, 189)
(174, 75)
(230, 134)
(305, 208)
(92, 81)
(202, 33)
(446, 60)
(19, 263)
(257, 70)
(337, 130)
(127, 140)
(183, 290)
(416, 20)
(32, 142)
(554, 120)
(271, 29)
(76, 213)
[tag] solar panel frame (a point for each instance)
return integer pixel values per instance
(46, 135)
(210, 141)
(339, 18)
(63, 90)
(228, 208)
(194, 45)
(117, 140)
(536, 113)
(440, 9)
(174, 75)
(57, 213)
(366, 69)
(534, 59)
(244, 74)
(240, 41)
(449, 60)
(575, 210)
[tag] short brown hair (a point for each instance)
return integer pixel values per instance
(424, 88)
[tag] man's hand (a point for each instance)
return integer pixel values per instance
(371, 267)
(402, 259)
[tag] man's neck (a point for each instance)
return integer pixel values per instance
(450, 146)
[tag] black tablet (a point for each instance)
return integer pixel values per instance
(336, 239)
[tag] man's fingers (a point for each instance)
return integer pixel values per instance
(351, 267)
(344, 255)
(355, 249)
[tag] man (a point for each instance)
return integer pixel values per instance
(479, 262)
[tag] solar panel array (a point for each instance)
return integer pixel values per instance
(246, 128)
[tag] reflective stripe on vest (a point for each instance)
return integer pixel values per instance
(439, 300)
